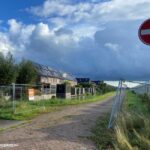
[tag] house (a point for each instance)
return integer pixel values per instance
(51, 76)
(83, 80)
(50, 79)
(96, 82)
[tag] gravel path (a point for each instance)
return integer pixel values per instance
(65, 129)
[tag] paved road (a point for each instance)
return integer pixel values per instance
(65, 129)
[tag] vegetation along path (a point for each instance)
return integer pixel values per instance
(66, 129)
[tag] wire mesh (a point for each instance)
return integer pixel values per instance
(117, 104)
(16, 100)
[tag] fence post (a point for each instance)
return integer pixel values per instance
(21, 94)
(14, 95)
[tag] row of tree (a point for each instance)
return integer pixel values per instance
(25, 73)
(12, 72)
(101, 87)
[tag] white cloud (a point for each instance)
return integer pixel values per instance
(123, 10)
(42, 30)
(75, 37)
(19, 33)
(90, 11)
(5, 44)
(84, 31)
(80, 50)
(112, 46)
(60, 8)
(52, 7)
(14, 26)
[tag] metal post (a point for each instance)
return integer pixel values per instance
(21, 94)
(13, 86)
(147, 88)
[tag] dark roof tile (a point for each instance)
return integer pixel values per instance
(49, 72)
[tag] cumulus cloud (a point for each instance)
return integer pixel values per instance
(112, 46)
(5, 44)
(15, 26)
(63, 31)
(96, 39)
(90, 11)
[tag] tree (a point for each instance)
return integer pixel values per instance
(7, 69)
(85, 85)
(27, 73)
(103, 88)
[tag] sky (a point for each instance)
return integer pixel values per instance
(128, 84)
(88, 38)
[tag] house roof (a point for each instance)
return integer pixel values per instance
(49, 72)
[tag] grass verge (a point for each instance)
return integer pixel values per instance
(29, 109)
(132, 130)
(102, 136)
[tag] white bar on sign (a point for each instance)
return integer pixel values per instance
(145, 32)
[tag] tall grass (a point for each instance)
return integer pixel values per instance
(132, 129)
(29, 109)
(133, 125)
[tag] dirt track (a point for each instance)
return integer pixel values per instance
(65, 129)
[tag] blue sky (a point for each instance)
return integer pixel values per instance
(90, 38)
(12, 9)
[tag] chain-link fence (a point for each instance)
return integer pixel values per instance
(11, 96)
(138, 87)
(142, 88)
(23, 99)
(117, 104)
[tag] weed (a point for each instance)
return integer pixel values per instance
(29, 109)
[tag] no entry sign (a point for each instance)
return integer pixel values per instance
(144, 32)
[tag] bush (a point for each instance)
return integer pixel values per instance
(53, 97)
(144, 97)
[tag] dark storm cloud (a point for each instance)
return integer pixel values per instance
(93, 58)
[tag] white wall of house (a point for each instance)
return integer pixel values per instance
(56, 81)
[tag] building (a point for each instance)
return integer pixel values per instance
(83, 80)
(51, 76)
(50, 79)
(96, 82)
(87, 86)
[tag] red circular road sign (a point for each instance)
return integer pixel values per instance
(144, 32)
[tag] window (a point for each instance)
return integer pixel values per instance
(53, 89)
